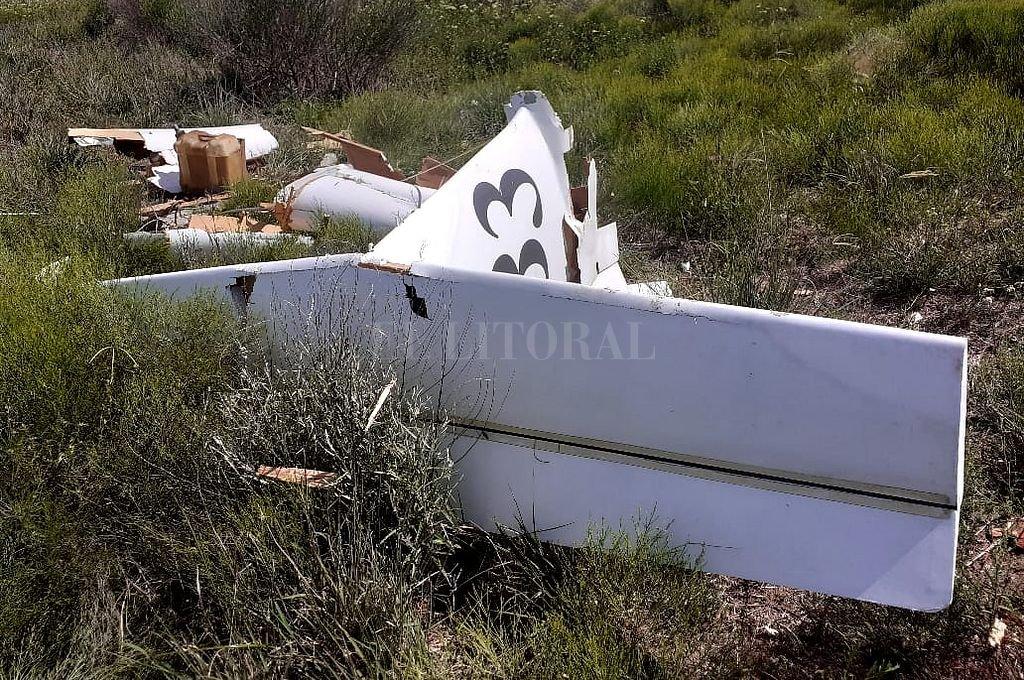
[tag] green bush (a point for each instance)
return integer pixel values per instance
(885, 7)
(133, 440)
(980, 37)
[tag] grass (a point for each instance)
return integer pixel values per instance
(763, 155)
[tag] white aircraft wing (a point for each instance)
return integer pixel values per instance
(814, 453)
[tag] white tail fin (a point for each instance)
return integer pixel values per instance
(503, 210)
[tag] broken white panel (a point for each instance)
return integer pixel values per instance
(748, 425)
(503, 210)
(90, 140)
(192, 241)
(167, 177)
(341, 191)
(807, 452)
(598, 251)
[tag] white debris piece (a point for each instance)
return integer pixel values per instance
(340, 190)
(201, 241)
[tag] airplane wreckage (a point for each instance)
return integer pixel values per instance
(809, 452)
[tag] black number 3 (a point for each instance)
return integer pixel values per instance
(485, 193)
(532, 253)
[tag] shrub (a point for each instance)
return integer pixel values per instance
(884, 6)
(700, 14)
(137, 532)
(311, 48)
(579, 40)
(623, 605)
(969, 35)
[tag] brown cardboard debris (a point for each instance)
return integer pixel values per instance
(312, 478)
(282, 212)
(360, 156)
(217, 224)
(433, 173)
(368, 159)
(117, 134)
(919, 174)
(210, 161)
(170, 206)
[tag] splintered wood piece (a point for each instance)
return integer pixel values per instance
(169, 206)
(433, 173)
(291, 475)
(368, 159)
(119, 134)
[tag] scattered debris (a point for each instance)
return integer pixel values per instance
(919, 174)
(170, 206)
(997, 632)
(206, 233)
(189, 240)
(258, 142)
(220, 224)
(380, 404)
(367, 186)
(342, 191)
(290, 475)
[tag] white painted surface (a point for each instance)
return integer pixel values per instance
(340, 191)
(503, 210)
(826, 546)
(827, 398)
(189, 240)
(809, 452)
